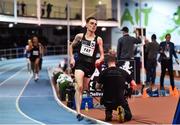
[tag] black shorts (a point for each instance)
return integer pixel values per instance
(87, 68)
(33, 58)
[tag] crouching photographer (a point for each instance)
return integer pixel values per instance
(113, 81)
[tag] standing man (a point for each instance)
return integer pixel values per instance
(146, 42)
(89, 44)
(43, 8)
(23, 5)
(167, 51)
(152, 50)
(125, 48)
(18, 8)
(49, 9)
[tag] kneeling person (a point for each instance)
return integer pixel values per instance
(114, 85)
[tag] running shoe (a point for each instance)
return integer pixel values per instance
(121, 114)
(79, 117)
(36, 77)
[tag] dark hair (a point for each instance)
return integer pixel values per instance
(125, 29)
(153, 37)
(168, 34)
(90, 18)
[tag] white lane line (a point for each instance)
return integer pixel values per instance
(17, 103)
(11, 77)
(5, 69)
(67, 108)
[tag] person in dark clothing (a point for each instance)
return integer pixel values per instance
(35, 54)
(88, 46)
(41, 55)
(18, 8)
(125, 47)
(27, 54)
(167, 51)
(115, 82)
(23, 5)
(152, 50)
(43, 7)
(145, 60)
(49, 9)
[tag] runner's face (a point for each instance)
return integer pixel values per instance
(92, 25)
(35, 41)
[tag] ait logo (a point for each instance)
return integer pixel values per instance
(134, 16)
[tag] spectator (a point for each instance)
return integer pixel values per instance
(152, 50)
(66, 10)
(43, 8)
(125, 49)
(126, 45)
(145, 60)
(49, 9)
(167, 51)
(23, 5)
(18, 8)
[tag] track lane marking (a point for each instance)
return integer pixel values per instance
(69, 109)
(17, 103)
(11, 76)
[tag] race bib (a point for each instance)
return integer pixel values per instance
(88, 50)
(35, 53)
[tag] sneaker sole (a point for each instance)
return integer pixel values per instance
(79, 117)
(35, 80)
(120, 111)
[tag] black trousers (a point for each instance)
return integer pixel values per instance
(151, 70)
(167, 64)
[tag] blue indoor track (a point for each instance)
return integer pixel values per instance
(24, 101)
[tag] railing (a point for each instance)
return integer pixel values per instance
(101, 12)
(11, 53)
(19, 52)
(30, 11)
(49, 50)
(55, 50)
(6, 7)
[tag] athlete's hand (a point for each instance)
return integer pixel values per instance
(97, 63)
(72, 62)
